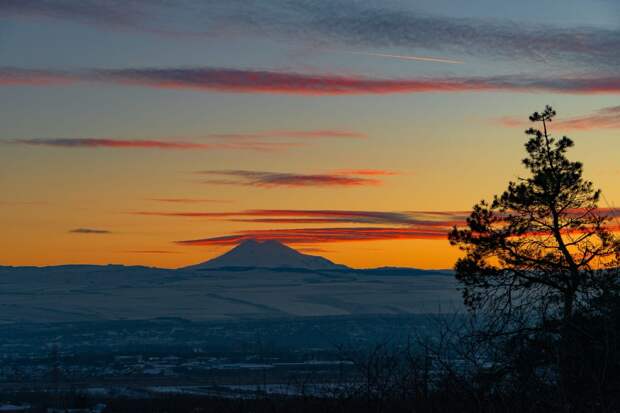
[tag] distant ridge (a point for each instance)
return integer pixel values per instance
(267, 254)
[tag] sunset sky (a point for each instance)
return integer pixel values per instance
(162, 133)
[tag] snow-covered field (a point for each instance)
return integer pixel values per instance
(90, 293)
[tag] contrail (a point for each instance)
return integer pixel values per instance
(417, 58)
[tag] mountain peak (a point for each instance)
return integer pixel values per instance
(249, 241)
(252, 253)
(253, 242)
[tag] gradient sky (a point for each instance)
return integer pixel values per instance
(161, 133)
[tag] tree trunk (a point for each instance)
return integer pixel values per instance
(565, 352)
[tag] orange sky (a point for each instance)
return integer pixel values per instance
(135, 133)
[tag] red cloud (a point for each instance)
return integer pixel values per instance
(299, 134)
(436, 219)
(276, 179)
(605, 118)
(152, 252)
(262, 81)
(25, 77)
(265, 81)
(403, 225)
(186, 214)
(322, 235)
(188, 200)
(366, 172)
(149, 144)
(112, 143)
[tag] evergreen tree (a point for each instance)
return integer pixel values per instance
(542, 247)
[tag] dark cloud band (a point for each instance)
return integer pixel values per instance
(605, 118)
(322, 235)
(360, 24)
(262, 81)
(445, 219)
(89, 231)
(151, 144)
(287, 179)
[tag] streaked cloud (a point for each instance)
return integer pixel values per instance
(109, 143)
(89, 231)
(256, 141)
(210, 79)
(185, 214)
(371, 25)
(313, 250)
(265, 179)
(22, 203)
(367, 172)
(408, 57)
(151, 252)
(257, 81)
(322, 235)
(297, 134)
(421, 219)
(150, 144)
(431, 225)
(10, 76)
(605, 118)
(445, 219)
(114, 12)
(188, 200)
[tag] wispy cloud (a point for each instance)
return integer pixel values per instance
(437, 219)
(22, 203)
(188, 214)
(89, 231)
(151, 144)
(151, 252)
(114, 13)
(297, 134)
(109, 143)
(352, 23)
(188, 200)
(256, 141)
(313, 250)
(605, 118)
(256, 81)
(288, 179)
(275, 82)
(11, 76)
(409, 57)
(365, 172)
(322, 235)
(433, 225)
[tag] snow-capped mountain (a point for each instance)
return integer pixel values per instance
(267, 254)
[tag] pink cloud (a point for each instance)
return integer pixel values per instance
(286, 179)
(605, 118)
(445, 219)
(365, 172)
(277, 82)
(188, 200)
(299, 134)
(149, 144)
(321, 235)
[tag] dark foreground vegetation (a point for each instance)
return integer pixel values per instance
(186, 404)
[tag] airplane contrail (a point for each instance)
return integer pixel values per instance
(417, 58)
